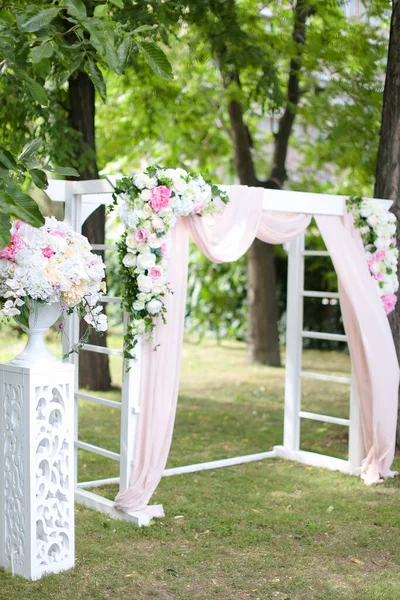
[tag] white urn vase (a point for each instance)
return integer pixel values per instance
(41, 318)
(37, 456)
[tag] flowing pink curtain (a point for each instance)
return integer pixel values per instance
(224, 238)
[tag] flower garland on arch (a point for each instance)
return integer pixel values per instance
(378, 232)
(149, 205)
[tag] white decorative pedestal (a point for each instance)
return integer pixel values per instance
(36, 466)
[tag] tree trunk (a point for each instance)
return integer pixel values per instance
(94, 370)
(262, 328)
(387, 184)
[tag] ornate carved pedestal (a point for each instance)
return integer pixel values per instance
(36, 469)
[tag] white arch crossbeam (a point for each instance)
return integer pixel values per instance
(81, 198)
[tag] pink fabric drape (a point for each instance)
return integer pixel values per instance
(224, 238)
(371, 345)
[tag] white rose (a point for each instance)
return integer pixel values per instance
(391, 218)
(145, 195)
(146, 261)
(181, 172)
(129, 260)
(381, 243)
(148, 210)
(145, 283)
(365, 210)
(364, 230)
(154, 306)
(180, 185)
(138, 327)
(383, 218)
(159, 287)
(154, 242)
(131, 241)
(141, 297)
(143, 181)
(138, 305)
(157, 223)
(143, 248)
(372, 220)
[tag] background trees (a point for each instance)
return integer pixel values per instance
(289, 93)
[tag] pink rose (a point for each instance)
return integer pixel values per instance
(58, 233)
(197, 208)
(10, 251)
(380, 255)
(160, 198)
(164, 249)
(378, 276)
(48, 252)
(393, 242)
(389, 302)
(141, 235)
(155, 273)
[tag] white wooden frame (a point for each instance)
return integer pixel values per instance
(81, 198)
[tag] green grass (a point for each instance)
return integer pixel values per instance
(267, 530)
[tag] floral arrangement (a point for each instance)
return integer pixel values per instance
(149, 204)
(48, 265)
(378, 231)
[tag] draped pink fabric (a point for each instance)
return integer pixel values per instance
(224, 238)
(371, 345)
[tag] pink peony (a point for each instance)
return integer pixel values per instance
(10, 251)
(58, 233)
(160, 198)
(389, 302)
(141, 235)
(380, 254)
(155, 273)
(164, 249)
(48, 252)
(197, 208)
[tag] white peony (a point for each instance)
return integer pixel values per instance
(154, 306)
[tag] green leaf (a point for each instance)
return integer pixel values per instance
(5, 234)
(123, 51)
(100, 10)
(21, 206)
(97, 77)
(39, 178)
(30, 149)
(38, 20)
(119, 3)
(67, 171)
(144, 28)
(112, 57)
(38, 53)
(36, 90)
(156, 59)
(5, 15)
(7, 159)
(76, 8)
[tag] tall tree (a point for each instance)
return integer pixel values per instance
(387, 183)
(54, 44)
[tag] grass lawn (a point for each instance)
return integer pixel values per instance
(266, 530)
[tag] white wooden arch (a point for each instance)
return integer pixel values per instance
(81, 198)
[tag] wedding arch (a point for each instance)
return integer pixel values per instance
(375, 380)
